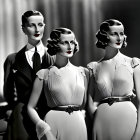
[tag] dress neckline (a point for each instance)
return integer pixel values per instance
(117, 58)
(66, 66)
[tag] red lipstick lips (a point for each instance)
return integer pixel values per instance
(69, 52)
(118, 43)
(36, 35)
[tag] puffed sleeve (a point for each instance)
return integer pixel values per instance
(43, 74)
(92, 67)
(135, 62)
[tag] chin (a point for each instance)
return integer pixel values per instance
(70, 55)
(37, 38)
(117, 47)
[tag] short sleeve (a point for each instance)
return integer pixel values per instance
(82, 70)
(135, 62)
(92, 67)
(85, 72)
(43, 74)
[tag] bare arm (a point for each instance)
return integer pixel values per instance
(36, 92)
(92, 105)
(42, 128)
(136, 135)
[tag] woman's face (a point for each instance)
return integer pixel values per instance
(67, 45)
(34, 29)
(116, 36)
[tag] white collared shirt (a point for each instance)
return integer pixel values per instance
(30, 51)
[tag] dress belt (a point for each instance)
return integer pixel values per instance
(69, 108)
(111, 100)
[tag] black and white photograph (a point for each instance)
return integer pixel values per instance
(69, 70)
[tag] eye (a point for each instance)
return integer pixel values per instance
(62, 42)
(30, 25)
(41, 24)
(122, 33)
(112, 33)
(72, 42)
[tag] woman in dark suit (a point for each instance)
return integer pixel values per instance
(19, 74)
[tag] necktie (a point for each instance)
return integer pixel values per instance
(36, 61)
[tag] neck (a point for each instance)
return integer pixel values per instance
(33, 43)
(61, 61)
(110, 52)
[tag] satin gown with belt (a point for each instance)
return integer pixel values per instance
(114, 78)
(63, 87)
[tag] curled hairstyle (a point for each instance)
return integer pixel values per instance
(102, 38)
(52, 42)
(27, 14)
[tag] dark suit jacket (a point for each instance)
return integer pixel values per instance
(19, 76)
(18, 81)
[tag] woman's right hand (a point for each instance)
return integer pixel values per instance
(48, 136)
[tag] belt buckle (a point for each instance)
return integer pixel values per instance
(69, 109)
(111, 101)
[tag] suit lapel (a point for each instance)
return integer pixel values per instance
(22, 65)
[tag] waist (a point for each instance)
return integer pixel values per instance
(69, 108)
(111, 100)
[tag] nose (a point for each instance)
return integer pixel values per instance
(36, 28)
(118, 38)
(69, 46)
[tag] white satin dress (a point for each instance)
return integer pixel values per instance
(65, 86)
(114, 78)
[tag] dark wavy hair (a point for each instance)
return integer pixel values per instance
(102, 39)
(27, 14)
(52, 42)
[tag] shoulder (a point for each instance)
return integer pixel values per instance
(84, 72)
(11, 56)
(10, 59)
(136, 67)
(80, 69)
(84, 69)
(92, 65)
(43, 74)
(135, 62)
(15, 55)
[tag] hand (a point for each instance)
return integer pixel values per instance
(48, 136)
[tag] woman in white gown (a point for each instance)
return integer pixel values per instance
(113, 80)
(65, 87)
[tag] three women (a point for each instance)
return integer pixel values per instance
(113, 81)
